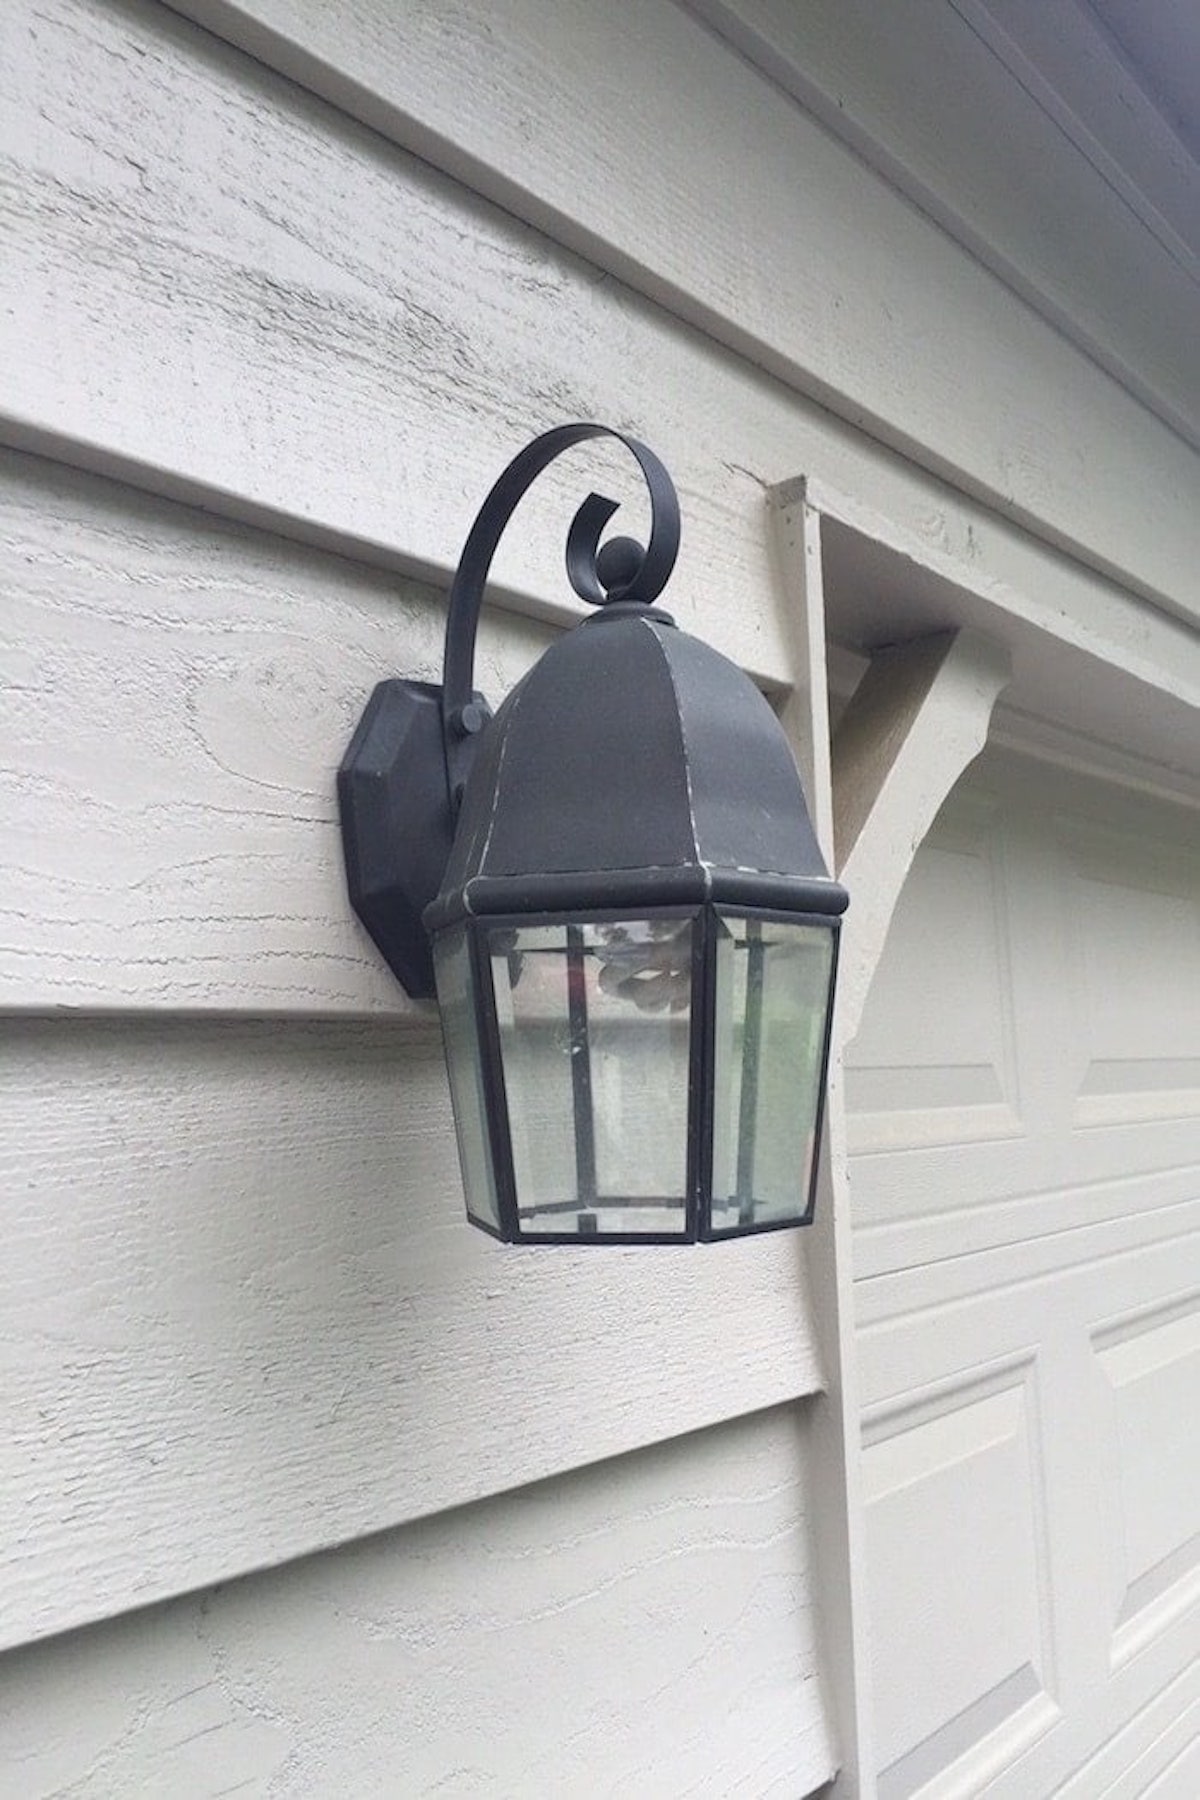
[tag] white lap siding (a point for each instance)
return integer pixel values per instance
(278, 306)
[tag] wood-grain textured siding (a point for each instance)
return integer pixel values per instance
(245, 1319)
(640, 1628)
(245, 1297)
(282, 292)
(785, 243)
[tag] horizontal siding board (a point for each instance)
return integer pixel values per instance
(180, 692)
(250, 389)
(887, 320)
(245, 1318)
(644, 1627)
(214, 276)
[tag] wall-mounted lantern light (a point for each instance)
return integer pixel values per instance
(614, 886)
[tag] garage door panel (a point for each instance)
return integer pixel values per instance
(1026, 1201)
(1158, 1731)
(1149, 1368)
(955, 1532)
(919, 1325)
(1001, 1546)
(1018, 1237)
(1127, 1152)
(921, 1072)
(965, 1199)
(1134, 906)
(1036, 1006)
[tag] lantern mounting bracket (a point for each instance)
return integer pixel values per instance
(401, 781)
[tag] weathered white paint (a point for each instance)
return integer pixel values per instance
(639, 1628)
(1025, 1096)
(887, 320)
(330, 360)
(321, 455)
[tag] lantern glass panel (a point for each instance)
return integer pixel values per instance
(460, 1034)
(595, 1044)
(773, 982)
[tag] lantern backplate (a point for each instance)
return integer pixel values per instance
(398, 821)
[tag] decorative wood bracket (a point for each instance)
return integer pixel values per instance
(917, 719)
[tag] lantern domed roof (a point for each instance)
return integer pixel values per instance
(633, 766)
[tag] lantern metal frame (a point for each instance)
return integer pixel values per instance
(424, 767)
(697, 1202)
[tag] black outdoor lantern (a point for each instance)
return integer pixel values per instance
(614, 886)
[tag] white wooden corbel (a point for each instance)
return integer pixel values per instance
(917, 718)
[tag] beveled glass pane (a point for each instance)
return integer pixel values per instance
(772, 1002)
(594, 1025)
(460, 1035)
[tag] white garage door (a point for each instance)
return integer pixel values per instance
(1025, 1102)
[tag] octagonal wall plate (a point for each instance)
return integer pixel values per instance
(397, 823)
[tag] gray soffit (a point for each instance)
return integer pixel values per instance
(1160, 43)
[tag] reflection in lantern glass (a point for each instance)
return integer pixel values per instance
(649, 962)
(594, 1025)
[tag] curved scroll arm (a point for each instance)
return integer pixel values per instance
(460, 715)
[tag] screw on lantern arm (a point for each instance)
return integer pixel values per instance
(401, 781)
(637, 581)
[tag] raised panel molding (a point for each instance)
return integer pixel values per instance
(934, 1061)
(1091, 1036)
(1139, 1021)
(960, 1598)
(1073, 1251)
(1150, 1364)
